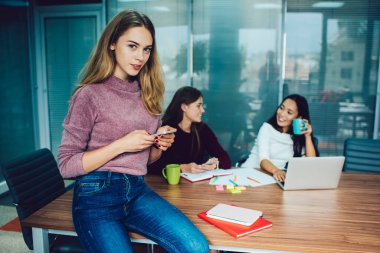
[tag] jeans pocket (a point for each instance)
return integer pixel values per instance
(91, 188)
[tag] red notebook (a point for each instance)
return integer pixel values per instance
(234, 229)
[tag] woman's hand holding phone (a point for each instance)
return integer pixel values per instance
(165, 132)
(135, 141)
(164, 137)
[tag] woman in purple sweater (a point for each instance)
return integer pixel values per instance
(107, 143)
(194, 140)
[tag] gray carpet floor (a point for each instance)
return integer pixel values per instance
(10, 242)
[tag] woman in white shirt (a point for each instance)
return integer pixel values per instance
(276, 143)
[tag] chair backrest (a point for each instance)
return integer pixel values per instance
(33, 181)
(362, 155)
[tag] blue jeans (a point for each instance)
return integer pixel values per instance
(107, 205)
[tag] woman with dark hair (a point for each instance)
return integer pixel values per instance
(194, 140)
(276, 142)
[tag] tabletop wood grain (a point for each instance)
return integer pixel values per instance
(346, 219)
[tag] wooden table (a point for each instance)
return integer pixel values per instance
(346, 219)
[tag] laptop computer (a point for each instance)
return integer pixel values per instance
(305, 173)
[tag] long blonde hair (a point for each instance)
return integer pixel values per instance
(102, 62)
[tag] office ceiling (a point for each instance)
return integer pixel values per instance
(269, 10)
(350, 8)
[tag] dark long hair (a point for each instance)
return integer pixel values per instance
(303, 112)
(174, 114)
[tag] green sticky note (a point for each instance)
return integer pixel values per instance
(235, 191)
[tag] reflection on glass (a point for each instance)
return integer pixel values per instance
(69, 42)
(330, 60)
(236, 51)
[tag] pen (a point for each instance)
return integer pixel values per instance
(253, 180)
(232, 182)
(214, 179)
(215, 161)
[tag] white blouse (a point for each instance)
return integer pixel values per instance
(272, 145)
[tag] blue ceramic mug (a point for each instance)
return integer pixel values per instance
(299, 126)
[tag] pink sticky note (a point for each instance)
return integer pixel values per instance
(219, 188)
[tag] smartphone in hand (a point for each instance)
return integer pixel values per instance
(165, 132)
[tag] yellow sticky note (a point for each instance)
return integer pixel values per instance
(241, 188)
(229, 187)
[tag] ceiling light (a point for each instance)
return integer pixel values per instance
(161, 8)
(134, 1)
(328, 4)
(267, 6)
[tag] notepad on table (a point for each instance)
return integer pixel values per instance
(234, 214)
(237, 230)
(207, 174)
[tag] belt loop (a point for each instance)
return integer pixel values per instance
(109, 176)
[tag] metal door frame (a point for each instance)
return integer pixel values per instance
(40, 87)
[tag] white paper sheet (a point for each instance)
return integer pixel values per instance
(244, 177)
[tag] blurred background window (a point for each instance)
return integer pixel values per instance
(333, 60)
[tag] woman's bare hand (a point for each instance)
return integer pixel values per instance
(279, 175)
(164, 141)
(136, 141)
(192, 168)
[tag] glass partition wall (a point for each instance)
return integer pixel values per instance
(333, 60)
(68, 43)
(239, 46)
(17, 130)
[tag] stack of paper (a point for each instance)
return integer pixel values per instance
(234, 220)
(234, 214)
(234, 229)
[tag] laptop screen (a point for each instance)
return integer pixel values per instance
(312, 173)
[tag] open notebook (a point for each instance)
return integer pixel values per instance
(194, 177)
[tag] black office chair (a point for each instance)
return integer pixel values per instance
(34, 181)
(362, 155)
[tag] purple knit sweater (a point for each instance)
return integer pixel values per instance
(98, 115)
